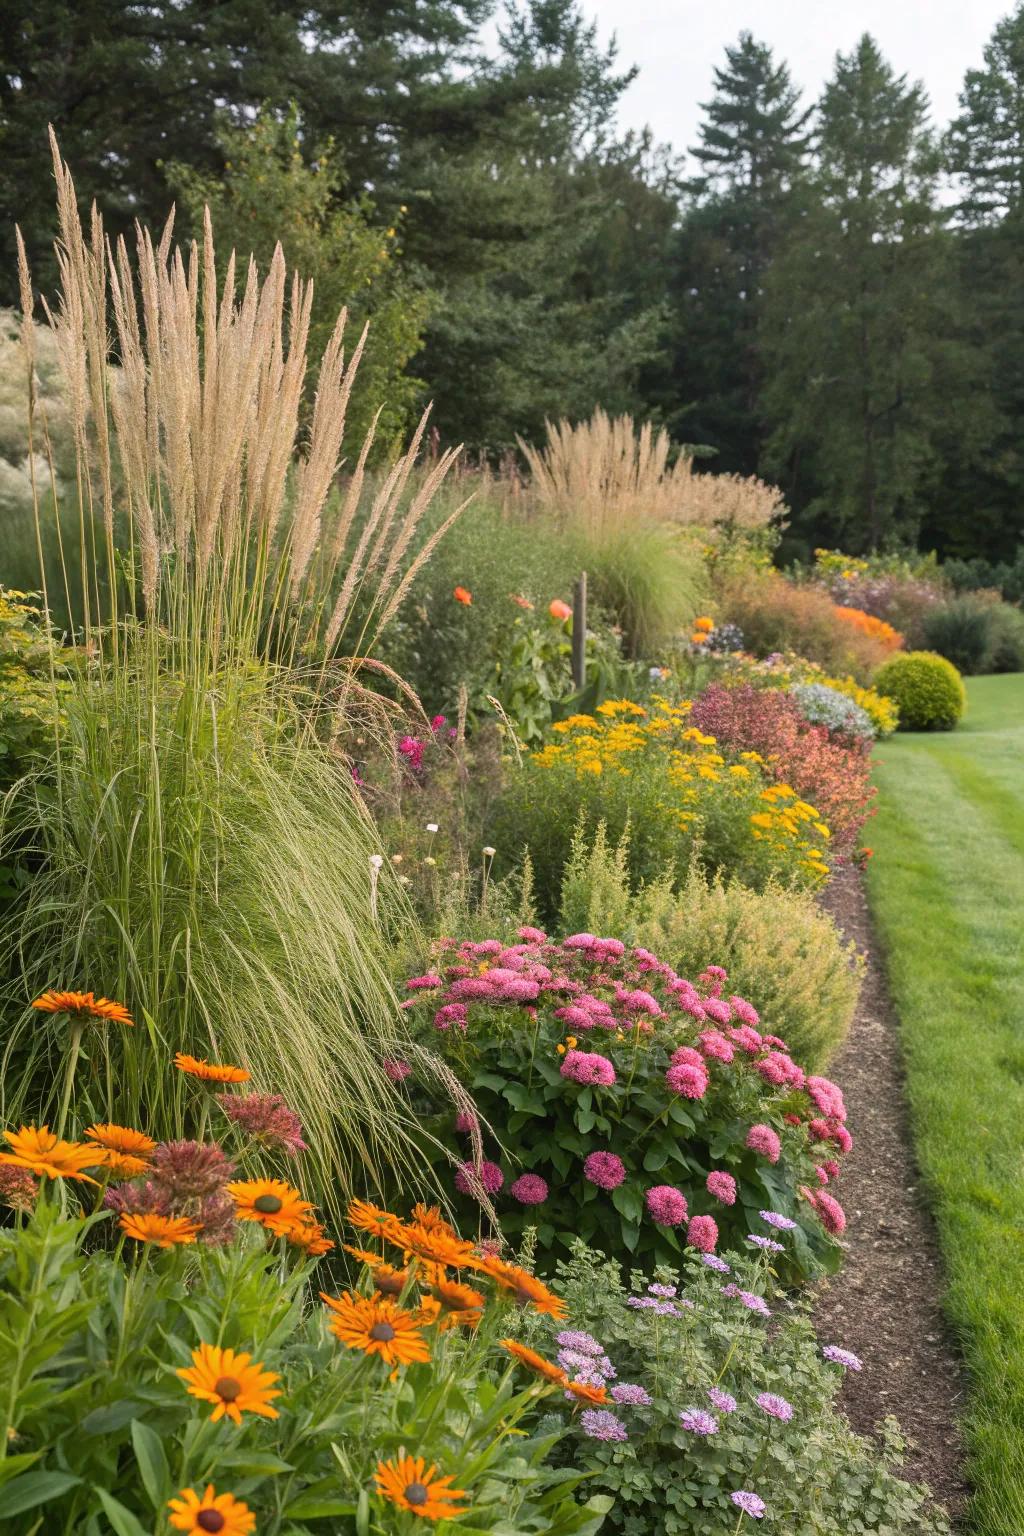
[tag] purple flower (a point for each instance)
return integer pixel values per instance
(667, 1291)
(425, 983)
(470, 1181)
(625, 1392)
(714, 1262)
(774, 1219)
(189, 1170)
(604, 1169)
(698, 1422)
(842, 1357)
(582, 1343)
(666, 1309)
(723, 1401)
(529, 1189)
(777, 1407)
(755, 1303)
(641, 1302)
(768, 1243)
(749, 1503)
(451, 1013)
(599, 1424)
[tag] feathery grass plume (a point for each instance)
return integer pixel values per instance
(201, 850)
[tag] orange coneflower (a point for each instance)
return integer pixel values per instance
(83, 1005)
(215, 1514)
(465, 1304)
(585, 1393)
(377, 1328)
(536, 1363)
(164, 1231)
(121, 1138)
(432, 1245)
(429, 1216)
(527, 1290)
(370, 1218)
(209, 1071)
(462, 596)
(231, 1382)
(41, 1152)
(411, 1484)
(271, 1202)
(311, 1236)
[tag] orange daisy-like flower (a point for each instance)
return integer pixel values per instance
(585, 1393)
(429, 1216)
(462, 596)
(462, 1302)
(43, 1153)
(215, 1514)
(164, 1231)
(310, 1235)
(377, 1328)
(120, 1165)
(559, 610)
(121, 1138)
(83, 1005)
(231, 1382)
(370, 1218)
(432, 1245)
(271, 1202)
(520, 600)
(536, 1363)
(411, 1484)
(525, 1288)
(209, 1071)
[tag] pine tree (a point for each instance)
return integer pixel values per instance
(751, 153)
(866, 370)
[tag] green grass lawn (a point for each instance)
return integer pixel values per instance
(947, 891)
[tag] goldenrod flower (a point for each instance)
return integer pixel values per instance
(164, 1231)
(231, 1382)
(215, 1514)
(412, 1485)
(43, 1153)
(83, 1005)
(377, 1328)
(209, 1071)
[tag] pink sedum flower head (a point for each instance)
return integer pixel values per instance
(744, 1011)
(833, 1217)
(666, 1205)
(425, 983)
(722, 1186)
(688, 1080)
(588, 1067)
(763, 1140)
(718, 1010)
(604, 1169)
(702, 1233)
(714, 1044)
(451, 1013)
(529, 1189)
(532, 935)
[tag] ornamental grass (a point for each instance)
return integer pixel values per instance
(195, 842)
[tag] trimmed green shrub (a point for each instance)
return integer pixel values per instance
(962, 632)
(926, 688)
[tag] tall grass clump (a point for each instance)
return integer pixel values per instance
(199, 851)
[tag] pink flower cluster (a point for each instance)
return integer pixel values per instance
(588, 1067)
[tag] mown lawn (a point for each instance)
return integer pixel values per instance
(947, 891)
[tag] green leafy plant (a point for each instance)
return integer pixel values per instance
(926, 689)
(629, 1106)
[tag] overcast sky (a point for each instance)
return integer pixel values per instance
(678, 43)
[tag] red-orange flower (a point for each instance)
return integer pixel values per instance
(559, 610)
(83, 1005)
(209, 1071)
(462, 596)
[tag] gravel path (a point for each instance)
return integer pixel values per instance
(885, 1302)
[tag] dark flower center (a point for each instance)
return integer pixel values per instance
(267, 1205)
(523, 1298)
(389, 1285)
(416, 1493)
(383, 1333)
(227, 1388)
(210, 1520)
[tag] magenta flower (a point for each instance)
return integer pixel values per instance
(745, 1012)
(465, 1122)
(723, 1401)
(715, 1008)
(666, 1205)
(469, 1180)
(722, 1186)
(18, 1189)
(423, 983)
(529, 1189)
(575, 1017)
(588, 1067)
(396, 1070)
(451, 1013)
(776, 1407)
(688, 1080)
(266, 1118)
(698, 1421)
(833, 1217)
(532, 935)
(762, 1139)
(604, 1169)
(702, 1233)
(713, 1043)
(635, 1396)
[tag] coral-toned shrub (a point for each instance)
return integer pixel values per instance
(623, 1086)
(834, 772)
(926, 688)
(868, 624)
(777, 615)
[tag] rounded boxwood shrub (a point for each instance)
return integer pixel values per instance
(619, 1102)
(927, 689)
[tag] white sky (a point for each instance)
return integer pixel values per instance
(677, 44)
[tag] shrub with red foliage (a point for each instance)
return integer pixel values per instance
(832, 773)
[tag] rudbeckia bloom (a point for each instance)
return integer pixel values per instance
(209, 1071)
(164, 1231)
(525, 1288)
(83, 1005)
(411, 1484)
(215, 1514)
(43, 1153)
(431, 1244)
(121, 1138)
(377, 1328)
(585, 1393)
(461, 1302)
(231, 1382)
(310, 1235)
(536, 1363)
(370, 1218)
(429, 1216)
(271, 1202)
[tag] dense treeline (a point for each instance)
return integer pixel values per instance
(831, 297)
